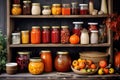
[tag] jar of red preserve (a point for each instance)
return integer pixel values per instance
(55, 34)
(92, 26)
(46, 34)
(83, 9)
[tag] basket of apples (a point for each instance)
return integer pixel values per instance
(84, 67)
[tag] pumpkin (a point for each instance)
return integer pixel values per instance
(74, 39)
(117, 59)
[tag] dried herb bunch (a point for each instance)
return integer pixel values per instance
(113, 22)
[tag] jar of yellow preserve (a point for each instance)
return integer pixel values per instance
(16, 9)
(56, 9)
(36, 66)
(25, 37)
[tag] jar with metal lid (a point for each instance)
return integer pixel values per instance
(65, 34)
(56, 9)
(94, 37)
(36, 66)
(23, 61)
(35, 35)
(26, 7)
(77, 28)
(46, 10)
(46, 34)
(16, 38)
(93, 26)
(55, 34)
(62, 61)
(66, 10)
(74, 8)
(46, 56)
(36, 10)
(83, 9)
(16, 9)
(25, 37)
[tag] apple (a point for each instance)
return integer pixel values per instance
(83, 70)
(89, 70)
(100, 71)
(111, 70)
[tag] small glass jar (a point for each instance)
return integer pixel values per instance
(27, 7)
(16, 1)
(77, 28)
(23, 61)
(15, 38)
(16, 9)
(46, 10)
(46, 34)
(56, 9)
(36, 10)
(65, 34)
(74, 8)
(35, 35)
(83, 9)
(62, 61)
(36, 66)
(66, 9)
(93, 26)
(25, 37)
(55, 34)
(94, 37)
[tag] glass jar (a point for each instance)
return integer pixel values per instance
(77, 28)
(46, 34)
(35, 35)
(55, 34)
(66, 9)
(83, 9)
(16, 9)
(15, 38)
(36, 66)
(16, 1)
(93, 26)
(46, 10)
(84, 37)
(62, 61)
(46, 56)
(36, 10)
(94, 37)
(23, 61)
(56, 9)
(74, 8)
(25, 37)
(65, 34)
(26, 7)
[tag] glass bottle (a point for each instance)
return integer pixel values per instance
(26, 7)
(74, 8)
(94, 37)
(104, 6)
(36, 10)
(46, 10)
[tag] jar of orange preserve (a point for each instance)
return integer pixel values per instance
(16, 9)
(35, 35)
(56, 9)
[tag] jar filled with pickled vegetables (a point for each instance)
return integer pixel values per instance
(16, 9)
(36, 66)
(56, 9)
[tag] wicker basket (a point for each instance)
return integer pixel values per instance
(94, 56)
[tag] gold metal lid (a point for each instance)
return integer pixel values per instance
(27, 31)
(35, 26)
(64, 27)
(45, 51)
(23, 52)
(35, 59)
(16, 5)
(55, 26)
(27, 1)
(56, 5)
(46, 6)
(35, 4)
(62, 52)
(46, 27)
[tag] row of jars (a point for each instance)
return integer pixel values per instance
(44, 63)
(56, 9)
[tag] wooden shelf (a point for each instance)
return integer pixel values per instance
(58, 16)
(60, 45)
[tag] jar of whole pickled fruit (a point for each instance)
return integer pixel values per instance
(16, 9)
(36, 66)
(56, 9)
(25, 37)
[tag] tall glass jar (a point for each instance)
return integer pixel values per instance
(65, 34)
(46, 34)
(74, 8)
(35, 35)
(25, 37)
(94, 37)
(16, 9)
(55, 34)
(27, 7)
(23, 61)
(36, 10)
(56, 9)
(46, 56)
(16, 38)
(46, 10)
(66, 10)
(83, 9)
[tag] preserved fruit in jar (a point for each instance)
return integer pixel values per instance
(25, 37)
(74, 8)
(83, 9)
(27, 7)
(56, 9)
(16, 9)
(66, 9)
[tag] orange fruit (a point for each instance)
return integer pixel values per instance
(102, 63)
(82, 65)
(74, 39)
(106, 70)
(93, 66)
(76, 67)
(89, 62)
(75, 63)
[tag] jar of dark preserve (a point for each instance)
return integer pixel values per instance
(83, 9)
(27, 7)
(16, 1)
(77, 28)
(92, 26)
(55, 34)
(74, 8)
(62, 61)
(46, 34)
(23, 61)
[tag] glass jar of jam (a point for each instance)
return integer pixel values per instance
(56, 9)
(23, 61)
(35, 35)
(62, 61)
(27, 7)
(16, 9)
(65, 34)
(74, 8)
(16, 1)
(93, 26)
(46, 56)
(77, 28)
(83, 9)
(46, 34)
(25, 37)
(55, 34)
(36, 66)
(66, 10)
(46, 10)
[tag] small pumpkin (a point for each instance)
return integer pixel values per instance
(74, 39)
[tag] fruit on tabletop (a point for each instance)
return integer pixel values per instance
(89, 70)
(106, 70)
(102, 63)
(74, 39)
(89, 62)
(93, 66)
(82, 65)
(75, 63)
(101, 71)
(111, 70)
(83, 70)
